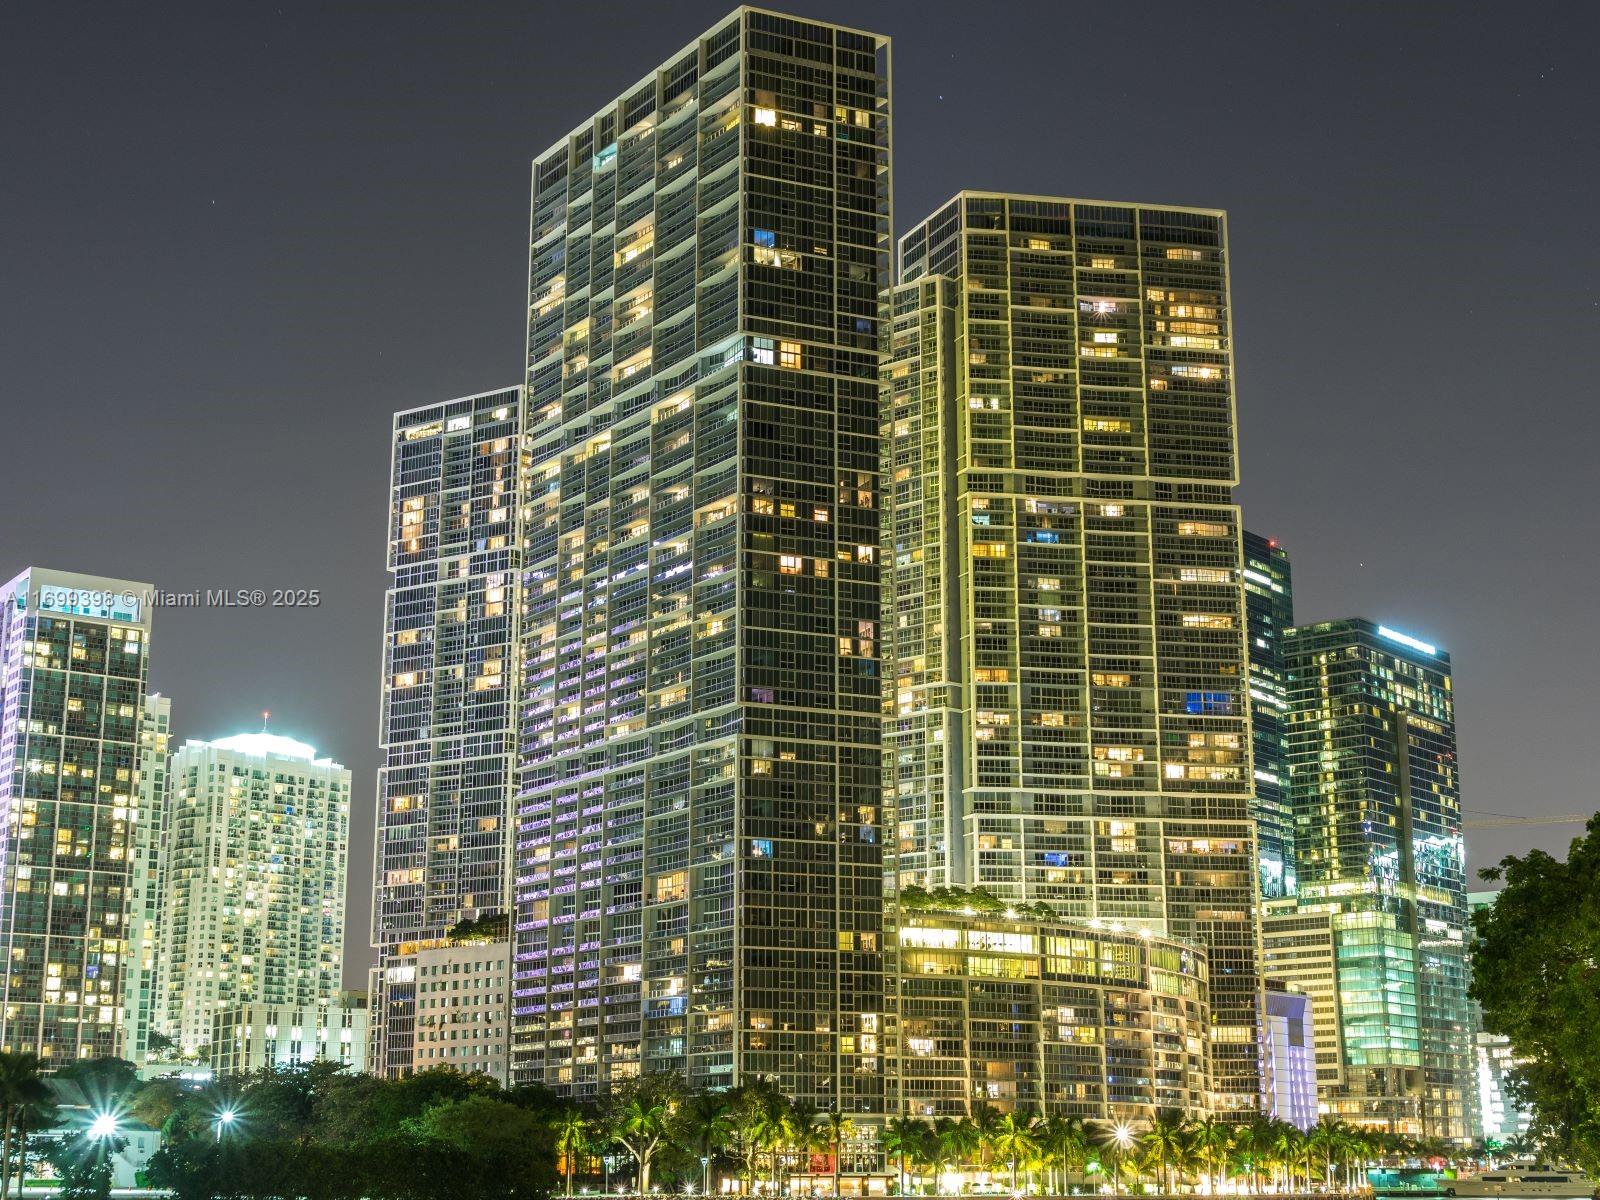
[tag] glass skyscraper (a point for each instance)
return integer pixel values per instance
(698, 879)
(1269, 612)
(74, 658)
(1377, 810)
(448, 716)
(1067, 717)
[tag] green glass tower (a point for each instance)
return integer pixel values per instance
(1269, 612)
(74, 655)
(1377, 811)
(698, 872)
(1067, 718)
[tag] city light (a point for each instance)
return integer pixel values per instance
(104, 1125)
(1405, 639)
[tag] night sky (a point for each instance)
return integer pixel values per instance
(234, 238)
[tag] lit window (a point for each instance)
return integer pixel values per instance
(767, 117)
(789, 355)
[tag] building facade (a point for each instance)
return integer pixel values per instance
(1289, 1056)
(256, 856)
(1299, 951)
(1374, 787)
(1086, 1019)
(74, 658)
(698, 868)
(464, 1008)
(1067, 717)
(250, 1037)
(448, 709)
(145, 892)
(1269, 613)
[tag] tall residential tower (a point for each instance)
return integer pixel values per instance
(1377, 810)
(74, 657)
(698, 868)
(448, 716)
(257, 840)
(1064, 622)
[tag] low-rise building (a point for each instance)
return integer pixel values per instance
(248, 1037)
(1092, 1019)
(464, 1008)
(1289, 1056)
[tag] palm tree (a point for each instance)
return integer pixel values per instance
(709, 1122)
(640, 1127)
(902, 1139)
(838, 1127)
(1164, 1141)
(985, 1121)
(572, 1139)
(1064, 1142)
(1115, 1141)
(1211, 1141)
(801, 1134)
(772, 1129)
(1014, 1139)
(21, 1084)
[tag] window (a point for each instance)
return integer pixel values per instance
(767, 117)
(789, 355)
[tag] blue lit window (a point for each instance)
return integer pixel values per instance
(767, 238)
(760, 847)
(1055, 858)
(1208, 703)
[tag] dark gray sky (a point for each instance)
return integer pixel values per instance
(235, 237)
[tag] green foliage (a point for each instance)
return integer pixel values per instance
(957, 899)
(495, 927)
(1536, 972)
(322, 1134)
(83, 1164)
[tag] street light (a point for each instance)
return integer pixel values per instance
(103, 1126)
(225, 1119)
(705, 1174)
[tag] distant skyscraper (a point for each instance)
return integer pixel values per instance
(1377, 809)
(1269, 612)
(74, 657)
(1497, 1114)
(256, 854)
(145, 894)
(699, 877)
(448, 717)
(1064, 621)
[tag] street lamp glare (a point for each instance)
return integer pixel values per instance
(226, 1116)
(104, 1125)
(1124, 1135)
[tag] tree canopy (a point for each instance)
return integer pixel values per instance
(1536, 973)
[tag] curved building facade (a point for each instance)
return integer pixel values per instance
(1083, 1018)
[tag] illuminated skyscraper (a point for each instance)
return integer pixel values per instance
(74, 657)
(1377, 811)
(698, 869)
(139, 971)
(1269, 612)
(256, 853)
(448, 723)
(1064, 621)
